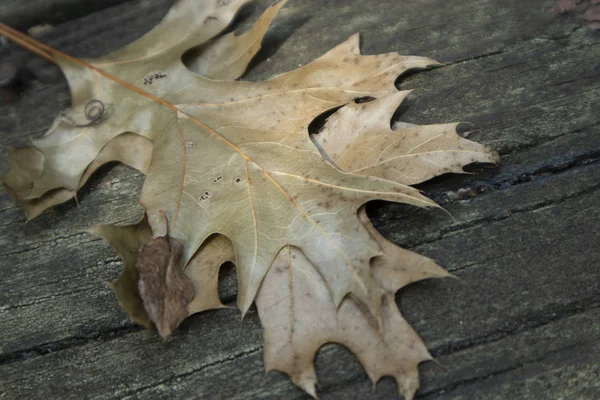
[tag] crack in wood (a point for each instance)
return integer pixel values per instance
(526, 323)
(445, 233)
(54, 241)
(235, 356)
(540, 174)
(464, 382)
(68, 343)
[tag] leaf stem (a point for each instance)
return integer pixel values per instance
(25, 41)
(38, 48)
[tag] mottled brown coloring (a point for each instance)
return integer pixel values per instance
(164, 288)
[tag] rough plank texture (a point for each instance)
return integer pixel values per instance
(23, 14)
(522, 322)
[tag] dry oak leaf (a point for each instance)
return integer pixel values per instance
(228, 157)
(232, 166)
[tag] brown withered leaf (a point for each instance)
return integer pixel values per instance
(591, 15)
(165, 290)
(565, 6)
(128, 148)
(232, 166)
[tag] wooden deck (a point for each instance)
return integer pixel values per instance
(523, 321)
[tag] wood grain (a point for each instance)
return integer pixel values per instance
(522, 321)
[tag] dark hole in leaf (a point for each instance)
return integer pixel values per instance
(343, 355)
(227, 283)
(365, 99)
(318, 123)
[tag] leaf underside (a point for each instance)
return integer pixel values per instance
(232, 167)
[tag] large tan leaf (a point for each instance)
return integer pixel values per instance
(240, 162)
(232, 168)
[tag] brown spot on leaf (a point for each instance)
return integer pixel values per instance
(163, 287)
(205, 196)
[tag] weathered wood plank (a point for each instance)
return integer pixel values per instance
(23, 14)
(508, 286)
(210, 371)
(523, 240)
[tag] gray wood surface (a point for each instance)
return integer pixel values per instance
(23, 14)
(523, 321)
